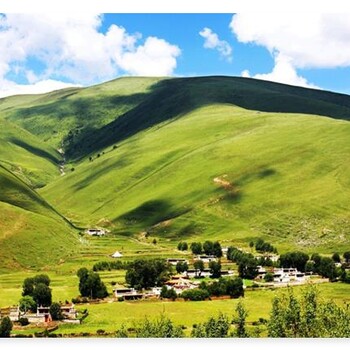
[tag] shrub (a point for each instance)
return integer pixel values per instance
(23, 321)
(195, 294)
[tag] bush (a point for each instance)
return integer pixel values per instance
(195, 294)
(168, 293)
(268, 277)
(23, 321)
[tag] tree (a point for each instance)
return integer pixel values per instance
(215, 327)
(307, 316)
(196, 248)
(248, 268)
(182, 246)
(346, 256)
(162, 327)
(168, 293)
(90, 284)
(251, 244)
(199, 266)
(38, 288)
(217, 250)
(5, 327)
(268, 277)
(28, 286)
(181, 266)
(296, 259)
(234, 287)
(215, 269)
(327, 268)
(208, 247)
(240, 320)
(55, 312)
(27, 303)
(147, 273)
(336, 257)
(42, 295)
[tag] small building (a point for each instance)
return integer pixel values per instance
(95, 232)
(127, 293)
(206, 258)
(193, 273)
(174, 261)
(12, 312)
(226, 273)
(117, 255)
(180, 285)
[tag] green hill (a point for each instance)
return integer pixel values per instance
(32, 233)
(195, 158)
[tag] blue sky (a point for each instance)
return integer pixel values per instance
(49, 51)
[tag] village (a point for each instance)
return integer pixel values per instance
(208, 265)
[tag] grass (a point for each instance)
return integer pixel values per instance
(111, 316)
(197, 158)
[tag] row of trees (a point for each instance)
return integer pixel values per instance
(208, 248)
(247, 264)
(263, 247)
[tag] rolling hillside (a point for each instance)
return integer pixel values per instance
(32, 233)
(190, 158)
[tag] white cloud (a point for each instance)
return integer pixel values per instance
(212, 41)
(9, 88)
(155, 57)
(297, 40)
(71, 47)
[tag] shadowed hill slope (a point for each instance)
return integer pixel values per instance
(32, 233)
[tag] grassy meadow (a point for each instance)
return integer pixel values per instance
(157, 161)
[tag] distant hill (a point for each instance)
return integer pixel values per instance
(191, 158)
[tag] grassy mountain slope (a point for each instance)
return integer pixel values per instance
(211, 157)
(32, 233)
(27, 156)
(66, 116)
(220, 171)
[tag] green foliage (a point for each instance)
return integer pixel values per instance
(55, 312)
(5, 327)
(346, 256)
(263, 247)
(90, 284)
(215, 269)
(268, 277)
(215, 327)
(147, 273)
(326, 268)
(307, 316)
(196, 248)
(162, 327)
(38, 288)
(240, 320)
(198, 266)
(181, 266)
(225, 286)
(168, 293)
(195, 294)
(27, 303)
(110, 265)
(294, 259)
(23, 321)
(248, 268)
(182, 246)
(122, 332)
(336, 257)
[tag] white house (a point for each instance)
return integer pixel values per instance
(127, 293)
(174, 261)
(206, 258)
(96, 232)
